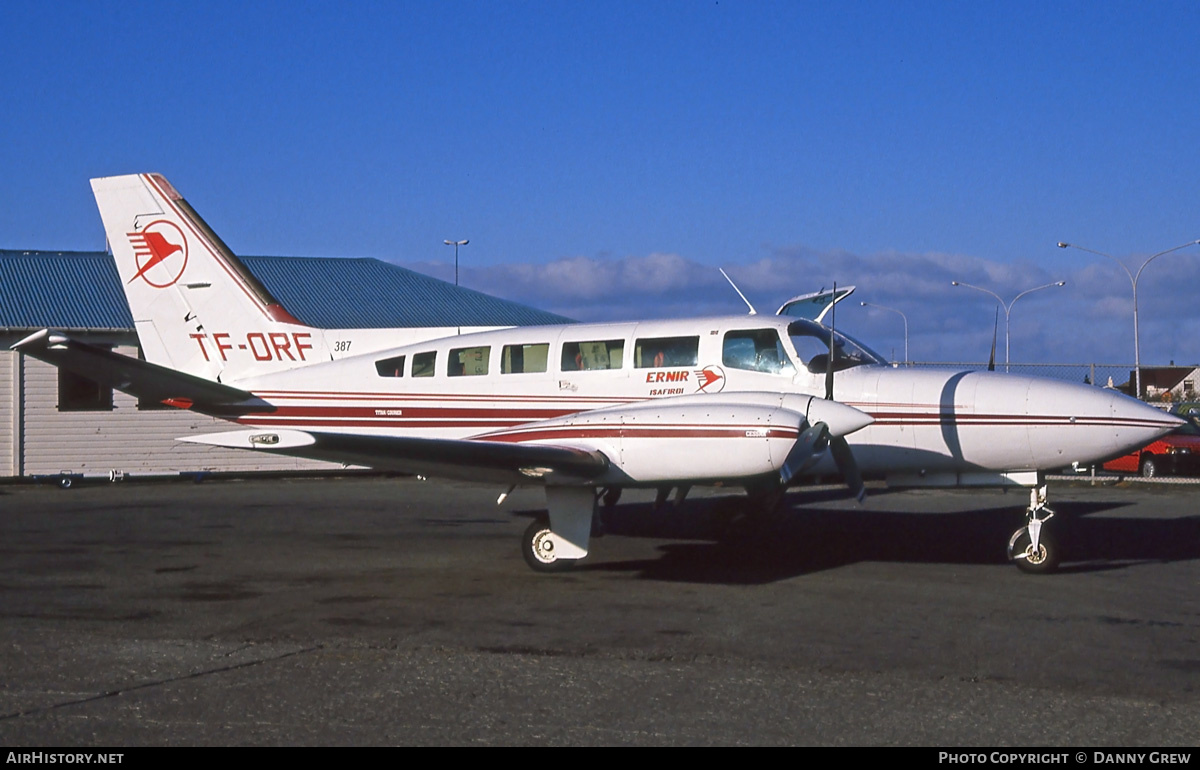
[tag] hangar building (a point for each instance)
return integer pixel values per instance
(53, 422)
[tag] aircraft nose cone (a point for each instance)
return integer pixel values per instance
(1138, 423)
(841, 419)
(1099, 423)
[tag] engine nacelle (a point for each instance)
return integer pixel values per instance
(700, 437)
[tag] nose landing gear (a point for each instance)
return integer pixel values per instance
(1033, 548)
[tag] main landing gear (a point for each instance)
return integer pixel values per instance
(1033, 548)
(540, 549)
(558, 540)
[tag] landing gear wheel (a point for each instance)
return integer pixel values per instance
(1040, 562)
(611, 496)
(1149, 468)
(537, 547)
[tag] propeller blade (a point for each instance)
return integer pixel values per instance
(805, 452)
(844, 459)
(828, 422)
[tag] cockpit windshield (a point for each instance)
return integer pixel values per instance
(811, 341)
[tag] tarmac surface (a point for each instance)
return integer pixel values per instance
(390, 611)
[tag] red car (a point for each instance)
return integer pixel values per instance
(1177, 453)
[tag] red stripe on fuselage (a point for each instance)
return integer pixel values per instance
(634, 431)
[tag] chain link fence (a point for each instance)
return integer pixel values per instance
(1116, 376)
(1103, 375)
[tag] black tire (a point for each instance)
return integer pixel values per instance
(538, 552)
(1150, 468)
(65, 482)
(1043, 562)
(611, 496)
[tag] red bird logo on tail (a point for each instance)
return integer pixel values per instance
(159, 242)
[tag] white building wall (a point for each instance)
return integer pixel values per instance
(10, 412)
(133, 441)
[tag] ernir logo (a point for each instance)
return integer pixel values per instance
(161, 251)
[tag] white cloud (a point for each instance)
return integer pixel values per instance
(1088, 320)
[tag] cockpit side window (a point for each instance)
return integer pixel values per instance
(811, 341)
(756, 350)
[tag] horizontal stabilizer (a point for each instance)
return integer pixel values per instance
(254, 439)
(147, 381)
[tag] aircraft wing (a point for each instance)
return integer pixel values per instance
(693, 437)
(454, 458)
(139, 378)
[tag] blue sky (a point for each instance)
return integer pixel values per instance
(605, 158)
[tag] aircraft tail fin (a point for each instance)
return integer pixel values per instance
(196, 306)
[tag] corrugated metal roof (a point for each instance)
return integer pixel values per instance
(63, 289)
(81, 290)
(366, 293)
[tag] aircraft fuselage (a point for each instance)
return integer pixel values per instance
(931, 426)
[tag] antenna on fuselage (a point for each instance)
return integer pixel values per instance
(995, 331)
(832, 352)
(739, 291)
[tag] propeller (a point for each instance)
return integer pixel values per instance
(805, 453)
(823, 427)
(843, 458)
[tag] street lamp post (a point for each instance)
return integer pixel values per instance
(1133, 280)
(1008, 307)
(897, 312)
(456, 244)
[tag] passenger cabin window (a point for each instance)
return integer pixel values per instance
(525, 359)
(756, 350)
(468, 362)
(423, 364)
(390, 367)
(657, 352)
(589, 356)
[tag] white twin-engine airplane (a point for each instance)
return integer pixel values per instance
(583, 409)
